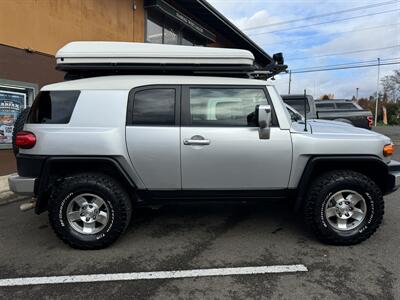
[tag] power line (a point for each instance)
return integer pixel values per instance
(343, 53)
(344, 64)
(344, 68)
(322, 15)
(333, 33)
(327, 22)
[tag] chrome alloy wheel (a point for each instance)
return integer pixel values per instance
(345, 210)
(87, 213)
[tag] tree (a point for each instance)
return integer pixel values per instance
(327, 96)
(391, 86)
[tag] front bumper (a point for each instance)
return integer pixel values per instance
(394, 175)
(22, 185)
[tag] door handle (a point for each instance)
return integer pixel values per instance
(195, 140)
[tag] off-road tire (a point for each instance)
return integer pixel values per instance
(331, 182)
(19, 126)
(117, 201)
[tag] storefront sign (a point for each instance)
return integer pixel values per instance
(11, 105)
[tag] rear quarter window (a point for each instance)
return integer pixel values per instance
(53, 107)
(324, 106)
(345, 105)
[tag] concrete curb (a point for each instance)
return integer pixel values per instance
(6, 196)
(4, 183)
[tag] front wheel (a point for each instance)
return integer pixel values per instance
(89, 211)
(343, 207)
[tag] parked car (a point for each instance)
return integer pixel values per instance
(295, 116)
(337, 110)
(94, 149)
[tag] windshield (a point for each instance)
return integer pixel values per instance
(295, 116)
(297, 104)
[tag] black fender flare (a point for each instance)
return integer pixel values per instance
(49, 168)
(372, 166)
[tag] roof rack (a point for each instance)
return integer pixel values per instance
(88, 59)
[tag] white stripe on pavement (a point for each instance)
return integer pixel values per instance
(153, 275)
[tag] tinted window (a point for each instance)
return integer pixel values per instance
(298, 104)
(53, 107)
(154, 107)
(225, 106)
(324, 106)
(345, 105)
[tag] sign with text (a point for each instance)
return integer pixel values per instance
(11, 105)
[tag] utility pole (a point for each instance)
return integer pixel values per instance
(290, 80)
(377, 91)
(356, 94)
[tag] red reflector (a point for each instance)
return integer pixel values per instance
(25, 140)
(370, 121)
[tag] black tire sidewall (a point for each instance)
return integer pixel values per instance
(115, 199)
(359, 186)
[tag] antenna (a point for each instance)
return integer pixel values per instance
(305, 110)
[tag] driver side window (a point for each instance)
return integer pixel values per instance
(225, 106)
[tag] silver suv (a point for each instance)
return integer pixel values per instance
(93, 149)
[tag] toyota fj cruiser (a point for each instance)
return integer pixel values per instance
(92, 149)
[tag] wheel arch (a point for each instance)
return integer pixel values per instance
(58, 167)
(371, 166)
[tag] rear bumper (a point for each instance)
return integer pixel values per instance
(394, 176)
(22, 185)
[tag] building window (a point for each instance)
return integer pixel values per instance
(160, 31)
(170, 36)
(186, 42)
(154, 32)
(15, 96)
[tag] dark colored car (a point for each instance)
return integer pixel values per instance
(337, 110)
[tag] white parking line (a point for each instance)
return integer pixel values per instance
(153, 275)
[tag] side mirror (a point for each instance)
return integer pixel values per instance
(263, 114)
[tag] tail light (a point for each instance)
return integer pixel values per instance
(370, 121)
(25, 140)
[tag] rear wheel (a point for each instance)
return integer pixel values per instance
(344, 207)
(89, 211)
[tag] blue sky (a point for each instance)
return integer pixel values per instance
(307, 46)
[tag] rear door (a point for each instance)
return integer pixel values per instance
(220, 144)
(153, 135)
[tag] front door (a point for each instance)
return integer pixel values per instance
(220, 144)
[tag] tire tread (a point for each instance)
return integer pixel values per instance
(313, 195)
(124, 206)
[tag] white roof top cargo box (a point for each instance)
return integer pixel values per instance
(139, 54)
(89, 59)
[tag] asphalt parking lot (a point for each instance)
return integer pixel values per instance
(201, 237)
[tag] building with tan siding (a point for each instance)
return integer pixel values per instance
(31, 32)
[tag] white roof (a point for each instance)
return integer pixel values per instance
(127, 82)
(145, 53)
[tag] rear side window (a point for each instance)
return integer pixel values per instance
(154, 107)
(345, 105)
(53, 107)
(325, 106)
